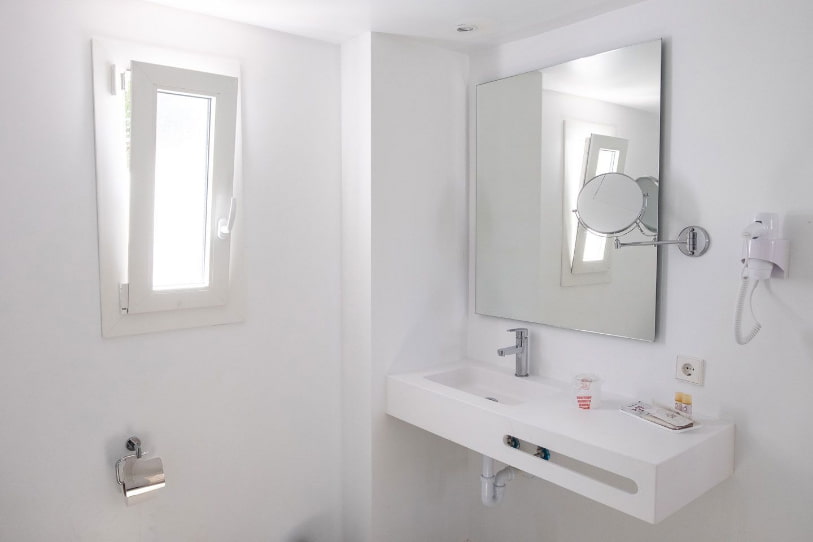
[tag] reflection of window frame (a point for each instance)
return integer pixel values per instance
(125, 215)
(593, 147)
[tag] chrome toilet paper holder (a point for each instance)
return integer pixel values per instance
(147, 479)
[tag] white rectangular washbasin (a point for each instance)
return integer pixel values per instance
(602, 454)
(491, 385)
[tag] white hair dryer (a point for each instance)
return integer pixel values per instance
(765, 256)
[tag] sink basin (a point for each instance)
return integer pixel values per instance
(603, 454)
(491, 385)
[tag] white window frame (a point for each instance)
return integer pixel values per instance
(147, 81)
(125, 197)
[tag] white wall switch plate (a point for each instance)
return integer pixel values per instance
(690, 370)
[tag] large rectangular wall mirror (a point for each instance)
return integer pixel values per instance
(541, 136)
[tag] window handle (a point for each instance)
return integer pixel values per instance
(225, 225)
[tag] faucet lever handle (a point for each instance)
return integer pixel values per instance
(522, 332)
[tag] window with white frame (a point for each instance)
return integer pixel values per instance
(603, 154)
(167, 155)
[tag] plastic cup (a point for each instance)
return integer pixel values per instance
(587, 390)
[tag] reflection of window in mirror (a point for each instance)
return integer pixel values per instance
(576, 144)
(607, 161)
(595, 246)
(603, 154)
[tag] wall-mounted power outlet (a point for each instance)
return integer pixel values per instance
(690, 370)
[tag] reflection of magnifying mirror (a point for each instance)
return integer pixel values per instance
(611, 204)
(649, 220)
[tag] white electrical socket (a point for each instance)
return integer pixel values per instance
(690, 370)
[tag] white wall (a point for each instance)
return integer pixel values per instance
(737, 86)
(404, 190)
(418, 258)
(356, 381)
(245, 417)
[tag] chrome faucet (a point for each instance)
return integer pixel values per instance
(520, 349)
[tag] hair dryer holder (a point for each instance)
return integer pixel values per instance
(775, 251)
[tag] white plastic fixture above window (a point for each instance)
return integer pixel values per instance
(168, 243)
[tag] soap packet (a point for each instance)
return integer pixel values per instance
(664, 417)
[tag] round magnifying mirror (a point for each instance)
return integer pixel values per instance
(610, 204)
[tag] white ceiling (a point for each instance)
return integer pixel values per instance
(498, 21)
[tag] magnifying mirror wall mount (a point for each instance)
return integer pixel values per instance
(692, 241)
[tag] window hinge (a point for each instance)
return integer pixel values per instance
(118, 80)
(124, 298)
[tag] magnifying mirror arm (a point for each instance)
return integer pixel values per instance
(619, 244)
(692, 241)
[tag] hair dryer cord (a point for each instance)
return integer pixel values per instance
(738, 336)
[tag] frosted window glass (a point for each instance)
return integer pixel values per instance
(593, 247)
(182, 177)
(607, 161)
